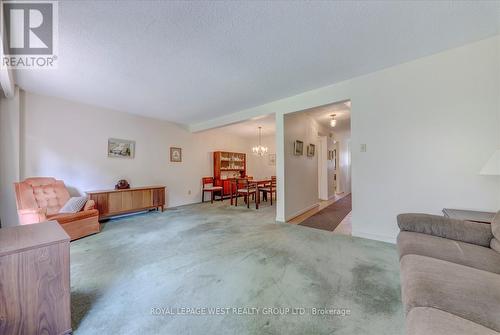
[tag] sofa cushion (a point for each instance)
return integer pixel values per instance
(431, 321)
(478, 257)
(469, 293)
(73, 205)
(70, 217)
(495, 229)
(453, 229)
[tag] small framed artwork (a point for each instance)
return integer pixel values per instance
(118, 148)
(298, 148)
(175, 154)
(272, 159)
(311, 149)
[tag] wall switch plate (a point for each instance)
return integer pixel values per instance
(189, 192)
(363, 147)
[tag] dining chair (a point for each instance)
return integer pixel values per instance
(246, 188)
(269, 188)
(208, 186)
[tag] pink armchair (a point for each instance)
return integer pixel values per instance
(40, 199)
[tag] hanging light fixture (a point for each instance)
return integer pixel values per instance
(333, 122)
(259, 150)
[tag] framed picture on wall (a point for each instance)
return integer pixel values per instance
(311, 149)
(175, 154)
(272, 159)
(118, 148)
(298, 148)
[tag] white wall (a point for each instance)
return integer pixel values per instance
(344, 164)
(9, 157)
(68, 140)
(429, 126)
(343, 161)
(301, 172)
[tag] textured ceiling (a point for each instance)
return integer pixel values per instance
(250, 128)
(189, 62)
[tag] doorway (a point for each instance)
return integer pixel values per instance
(332, 126)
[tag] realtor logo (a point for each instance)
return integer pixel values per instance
(29, 34)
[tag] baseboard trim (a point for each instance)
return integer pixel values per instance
(302, 211)
(376, 237)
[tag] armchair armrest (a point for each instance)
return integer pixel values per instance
(453, 229)
(90, 204)
(32, 215)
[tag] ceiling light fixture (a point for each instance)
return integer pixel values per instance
(260, 150)
(333, 122)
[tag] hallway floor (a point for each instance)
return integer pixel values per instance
(344, 228)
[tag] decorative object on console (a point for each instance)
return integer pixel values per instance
(272, 159)
(175, 154)
(117, 202)
(260, 150)
(121, 148)
(122, 185)
(298, 148)
(311, 149)
(40, 199)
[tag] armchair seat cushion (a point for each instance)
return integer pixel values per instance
(431, 321)
(63, 218)
(466, 292)
(247, 190)
(467, 254)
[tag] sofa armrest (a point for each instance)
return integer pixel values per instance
(453, 229)
(90, 204)
(32, 215)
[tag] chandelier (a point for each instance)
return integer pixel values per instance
(259, 150)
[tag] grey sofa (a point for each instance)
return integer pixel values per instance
(450, 275)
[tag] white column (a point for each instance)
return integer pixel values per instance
(10, 138)
(280, 167)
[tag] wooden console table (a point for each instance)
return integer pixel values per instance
(34, 280)
(116, 202)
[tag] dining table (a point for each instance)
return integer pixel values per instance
(257, 182)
